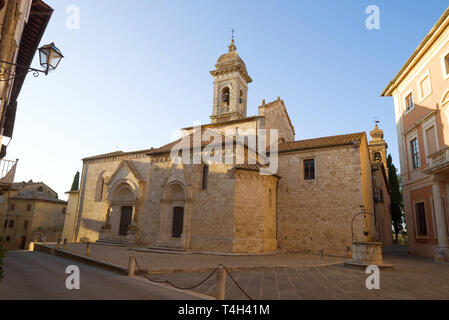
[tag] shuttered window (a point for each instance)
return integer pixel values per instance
(421, 220)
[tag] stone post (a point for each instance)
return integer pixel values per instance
(88, 248)
(131, 265)
(221, 283)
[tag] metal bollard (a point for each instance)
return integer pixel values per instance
(88, 248)
(58, 243)
(221, 283)
(320, 256)
(131, 264)
(64, 243)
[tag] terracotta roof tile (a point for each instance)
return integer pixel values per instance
(168, 147)
(225, 123)
(324, 142)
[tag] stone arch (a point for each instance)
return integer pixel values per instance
(99, 188)
(123, 199)
(119, 185)
(174, 212)
(226, 95)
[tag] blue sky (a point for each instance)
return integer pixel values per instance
(136, 71)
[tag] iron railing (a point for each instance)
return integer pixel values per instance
(7, 171)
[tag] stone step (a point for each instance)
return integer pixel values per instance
(114, 241)
(165, 248)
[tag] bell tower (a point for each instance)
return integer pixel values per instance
(230, 87)
(378, 147)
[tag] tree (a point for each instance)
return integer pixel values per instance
(2, 255)
(396, 203)
(76, 182)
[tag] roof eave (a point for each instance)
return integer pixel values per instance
(422, 48)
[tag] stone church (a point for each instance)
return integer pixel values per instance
(311, 201)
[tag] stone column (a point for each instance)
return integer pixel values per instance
(439, 217)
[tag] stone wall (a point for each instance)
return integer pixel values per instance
(91, 213)
(255, 212)
(276, 117)
(314, 214)
(69, 222)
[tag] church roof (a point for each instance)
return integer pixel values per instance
(168, 147)
(324, 142)
(224, 123)
(115, 153)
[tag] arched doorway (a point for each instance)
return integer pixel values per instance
(125, 220)
(173, 215)
(123, 203)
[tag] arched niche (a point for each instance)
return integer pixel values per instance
(174, 212)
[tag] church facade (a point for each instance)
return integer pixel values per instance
(310, 198)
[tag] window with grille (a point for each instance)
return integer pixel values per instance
(309, 169)
(415, 153)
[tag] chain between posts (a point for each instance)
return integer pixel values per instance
(194, 286)
(236, 283)
(169, 282)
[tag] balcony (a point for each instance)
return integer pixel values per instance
(439, 162)
(7, 173)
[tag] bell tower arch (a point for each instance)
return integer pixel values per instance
(231, 81)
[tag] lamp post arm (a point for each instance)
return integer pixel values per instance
(22, 66)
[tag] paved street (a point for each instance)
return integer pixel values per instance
(412, 278)
(35, 275)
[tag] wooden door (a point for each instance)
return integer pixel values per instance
(178, 221)
(125, 220)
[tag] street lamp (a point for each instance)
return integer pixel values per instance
(49, 58)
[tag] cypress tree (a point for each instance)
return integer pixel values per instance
(396, 203)
(76, 182)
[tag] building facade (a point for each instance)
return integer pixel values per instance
(308, 201)
(30, 211)
(22, 24)
(420, 92)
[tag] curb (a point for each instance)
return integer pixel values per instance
(80, 258)
(122, 270)
(111, 267)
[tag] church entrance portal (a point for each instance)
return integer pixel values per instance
(125, 220)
